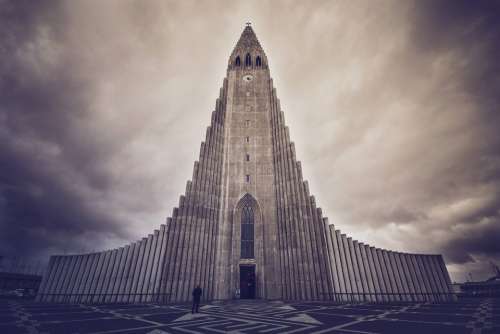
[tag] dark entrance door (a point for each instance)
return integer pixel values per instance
(247, 282)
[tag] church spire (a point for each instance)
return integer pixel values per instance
(248, 40)
(248, 48)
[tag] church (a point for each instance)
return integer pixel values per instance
(247, 225)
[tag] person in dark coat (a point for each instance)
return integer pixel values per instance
(197, 292)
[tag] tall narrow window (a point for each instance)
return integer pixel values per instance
(247, 231)
(247, 178)
(248, 157)
(248, 60)
(247, 123)
(258, 62)
(248, 139)
(237, 62)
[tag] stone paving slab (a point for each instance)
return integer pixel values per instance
(478, 316)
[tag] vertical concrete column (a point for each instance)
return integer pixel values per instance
(375, 290)
(73, 285)
(343, 258)
(285, 285)
(428, 274)
(125, 266)
(403, 272)
(393, 275)
(130, 265)
(407, 270)
(338, 265)
(110, 272)
(291, 243)
(189, 228)
(286, 228)
(417, 278)
(324, 286)
(84, 274)
(66, 291)
(294, 270)
(297, 241)
(181, 248)
(387, 273)
(146, 268)
(154, 255)
(91, 282)
(137, 271)
(98, 298)
(203, 215)
(331, 256)
(349, 267)
(199, 214)
(58, 260)
(380, 276)
(208, 272)
(120, 293)
(194, 190)
(120, 274)
(397, 278)
(306, 229)
(440, 281)
(355, 270)
(160, 265)
(169, 251)
(435, 278)
(363, 277)
(424, 282)
(65, 260)
(368, 274)
(79, 277)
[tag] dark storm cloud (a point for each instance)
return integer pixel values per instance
(472, 30)
(46, 159)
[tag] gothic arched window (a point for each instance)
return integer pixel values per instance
(248, 60)
(247, 231)
(258, 62)
(237, 61)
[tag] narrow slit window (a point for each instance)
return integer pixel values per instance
(258, 62)
(248, 157)
(248, 139)
(248, 178)
(248, 60)
(247, 123)
(237, 62)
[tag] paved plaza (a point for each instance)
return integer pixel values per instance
(466, 316)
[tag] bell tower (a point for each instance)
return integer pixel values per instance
(246, 251)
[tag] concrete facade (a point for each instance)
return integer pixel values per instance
(247, 225)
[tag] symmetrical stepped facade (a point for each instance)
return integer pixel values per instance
(247, 225)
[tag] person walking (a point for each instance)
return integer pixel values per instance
(197, 292)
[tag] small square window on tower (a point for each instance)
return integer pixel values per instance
(248, 157)
(248, 178)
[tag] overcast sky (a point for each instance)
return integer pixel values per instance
(392, 105)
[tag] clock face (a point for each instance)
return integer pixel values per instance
(247, 78)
